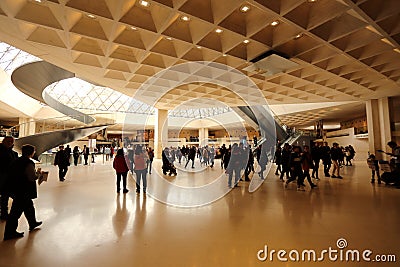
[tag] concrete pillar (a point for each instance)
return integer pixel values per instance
(160, 132)
(203, 136)
(384, 119)
(378, 121)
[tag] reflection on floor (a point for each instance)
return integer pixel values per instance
(86, 223)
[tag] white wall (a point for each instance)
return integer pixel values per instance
(361, 145)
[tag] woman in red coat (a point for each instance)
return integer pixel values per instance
(121, 168)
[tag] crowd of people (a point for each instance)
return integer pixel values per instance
(295, 163)
(18, 176)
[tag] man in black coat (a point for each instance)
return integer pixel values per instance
(62, 160)
(23, 188)
(7, 158)
(191, 156)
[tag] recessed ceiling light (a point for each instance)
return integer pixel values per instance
(245, 8)
(185, 18)
(246, 41)
(218, 30)
(224, 55)
(168, 38)
(144, 3)
(91, 16)
(312, 1)
(199, 47)
(274, 23)
(38, 1)
(298, 36)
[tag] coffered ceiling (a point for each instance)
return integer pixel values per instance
(345, 50)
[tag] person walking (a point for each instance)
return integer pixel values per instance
(307, 164)
(76, 154)
(191, 156)
(68, 154)
(150, 154)
(121, 168)
(316, 157)
(234, 165)
(336, 153)
(140, 168)
(285, 161)
(62, 161)
(7, 158)
(86, 153)
(326, 158)
(23, 191)
(296, 169)
(277, 159)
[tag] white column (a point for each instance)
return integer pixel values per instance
(378, 120)
(384, 119)
(160, 132)
(203, 136)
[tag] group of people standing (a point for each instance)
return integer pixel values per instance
(138, 159)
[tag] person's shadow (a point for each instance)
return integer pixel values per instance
(121, 216)
(140, 213)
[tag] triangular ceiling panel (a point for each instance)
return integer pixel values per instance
(195, 54)
(139, 17)
(199, 8)
(46, 36)
(239, 51)
(165, 47)
(236, 22)
(165, 2)
(212, 41)
(119, 65)
(39, 14)
(131, 38)
(154, 60)
(89, 60)
(124, 53)
(89, 46)
(264, 36)
(114, 75)
(179, 29)
(95, 7)
(89, 27)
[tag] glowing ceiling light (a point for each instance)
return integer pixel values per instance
(274, 23)
(298, 36)
(144, 3)
(168, 38)
(199, 47)
(133, 28)
(245, 9)
(185, 18)
(218, 30)
(246, 41)
(91, 16)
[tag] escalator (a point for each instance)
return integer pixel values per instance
(260, 118)
(48, 140)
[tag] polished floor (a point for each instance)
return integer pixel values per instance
(86, 223)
